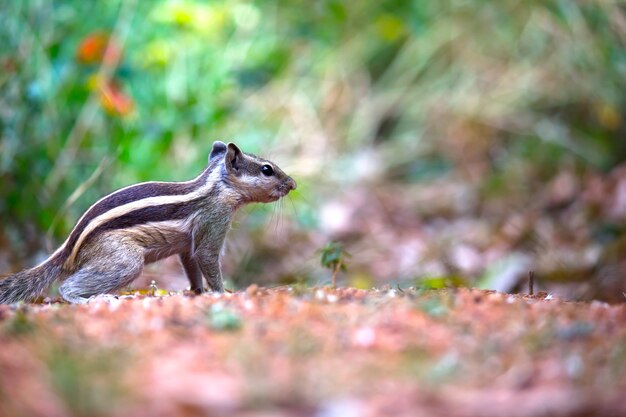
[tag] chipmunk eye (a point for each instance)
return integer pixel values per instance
(267, 170)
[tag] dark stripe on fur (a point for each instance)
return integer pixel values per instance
(128, 195)
(164, 212)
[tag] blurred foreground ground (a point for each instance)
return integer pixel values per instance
(293, 351)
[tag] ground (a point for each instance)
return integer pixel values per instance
(293, 351)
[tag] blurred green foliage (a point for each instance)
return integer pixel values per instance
(427, 86)
(87, 380)
(20, 324)
(221, 318)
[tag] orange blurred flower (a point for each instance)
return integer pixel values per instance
(98, 47)
(115, 101)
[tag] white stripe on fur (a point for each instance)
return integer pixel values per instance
(135, 205)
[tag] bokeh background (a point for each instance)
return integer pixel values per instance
(441, 142)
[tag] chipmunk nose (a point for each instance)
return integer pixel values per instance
(291, 184)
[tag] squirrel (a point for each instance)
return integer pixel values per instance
(146, 222)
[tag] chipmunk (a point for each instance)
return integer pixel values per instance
(145, 222)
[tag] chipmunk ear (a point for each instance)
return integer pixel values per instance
(233, 157)
(219, 148)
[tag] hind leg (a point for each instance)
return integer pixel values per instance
(102, 273)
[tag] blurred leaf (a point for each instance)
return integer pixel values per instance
(433, 305)
(223, 318)
(87, 380)
(434, 283)
(20, 324)
(389, 27)
(361, 281)
(333, 255)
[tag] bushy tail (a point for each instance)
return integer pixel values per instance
(28, 284)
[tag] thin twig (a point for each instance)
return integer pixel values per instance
(531, 282)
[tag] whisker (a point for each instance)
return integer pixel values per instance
(298, 193)
(281, 214)
(277, 224)
(272, 215)
(293, 206)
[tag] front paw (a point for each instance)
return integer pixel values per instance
(216, 288)
(197, 290)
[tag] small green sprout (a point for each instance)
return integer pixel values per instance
(334, 258)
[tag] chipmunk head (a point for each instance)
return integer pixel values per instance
(253, 178)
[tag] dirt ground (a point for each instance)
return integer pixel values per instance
(294, 351)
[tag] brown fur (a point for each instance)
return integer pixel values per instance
(146, 222)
